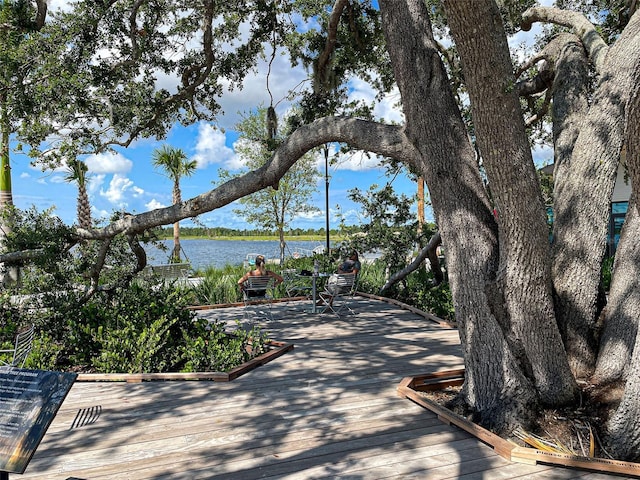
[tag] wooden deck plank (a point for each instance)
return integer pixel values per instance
(327, 409)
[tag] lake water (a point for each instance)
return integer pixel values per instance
(218, 253)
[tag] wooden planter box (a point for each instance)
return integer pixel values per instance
(277, 349)
(410, 387)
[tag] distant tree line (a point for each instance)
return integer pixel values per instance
(213, 232)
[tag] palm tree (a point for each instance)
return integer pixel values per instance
(175, 163)
(77, 173)
(15, 25)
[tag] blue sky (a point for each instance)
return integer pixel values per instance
(127, 180)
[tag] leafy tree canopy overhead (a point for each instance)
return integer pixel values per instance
(100, 74)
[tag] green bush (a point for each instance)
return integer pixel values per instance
(140, 329)
(221, 351)
(416, 289)
(219, 286)
(607, 270)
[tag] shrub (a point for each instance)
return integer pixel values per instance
(139, 329)
(219, 286)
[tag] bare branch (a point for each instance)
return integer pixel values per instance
(542, 111)
(13, 257)
(332, 32)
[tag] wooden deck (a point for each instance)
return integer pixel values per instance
(327, 409)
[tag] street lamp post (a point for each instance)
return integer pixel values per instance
(326, 194)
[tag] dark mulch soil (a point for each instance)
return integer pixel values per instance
(571, 429)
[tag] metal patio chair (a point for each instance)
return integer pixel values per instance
(296, 285)
(257, 291)
(21, 349)
(338, 293)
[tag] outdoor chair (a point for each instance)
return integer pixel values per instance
(296, 285)
(257, 291)
(338, 293)
(22, 348)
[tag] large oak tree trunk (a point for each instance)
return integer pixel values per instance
(570, 106)
(495, 385)
(622, 79)
(622, 313)
(618, 338)
(620, 355)
(524, 279)
(585, 203)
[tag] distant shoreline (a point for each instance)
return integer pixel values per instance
(257, 238)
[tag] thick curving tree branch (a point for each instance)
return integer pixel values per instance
(386, 140)
(428, 251)
(587, 32)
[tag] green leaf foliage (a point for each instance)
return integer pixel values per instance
(270, 208)
(140, 329)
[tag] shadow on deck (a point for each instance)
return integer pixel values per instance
(327, 409)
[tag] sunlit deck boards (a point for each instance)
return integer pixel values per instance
(327, 409)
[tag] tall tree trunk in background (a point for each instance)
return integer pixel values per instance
(177, 198)
(84, 207)
(8, 274)
(6, 198)
(495, 386)
(174, 162)
(282, 244)
(523, 285)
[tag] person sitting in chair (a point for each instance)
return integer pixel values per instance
(259, 271)
(350, 265)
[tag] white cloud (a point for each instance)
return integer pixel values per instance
(357, 161)
(354, 161)
(154, 204)
(64, 5)
(387, 109)
(108, 162)
(57, 179)
(310, 215)
(25, 175)
(95, 183)
(254, 93)
(100, 214)
(210, 147)
(118, 186)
